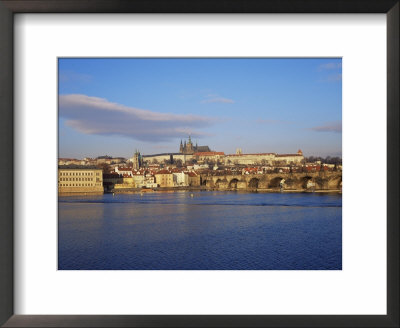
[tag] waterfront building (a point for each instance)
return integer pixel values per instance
(180, 179)
(194, 179)
(164, 178)
(80, 179)
(110, 180)
(138, 179)
(127, 183)
(150, 181)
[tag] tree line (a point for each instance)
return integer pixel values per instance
(326, 160)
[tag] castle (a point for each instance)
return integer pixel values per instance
(189, 149)
(188, 152)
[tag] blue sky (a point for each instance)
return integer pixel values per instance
(114, 106)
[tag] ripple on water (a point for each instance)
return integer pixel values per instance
(212, 230)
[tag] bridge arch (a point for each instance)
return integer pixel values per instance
(205, 182)
(253, 183)
(321, 183)
(219, 182)
(335, 183)
(233, 183)
(275, 182)
(307, 182)
(339, 185)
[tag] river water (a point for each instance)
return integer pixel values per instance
(200, 231)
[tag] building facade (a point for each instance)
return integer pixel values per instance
(264, 158)
(79, 179)
(181, 179)
(194, 179)
(124, 171)
(164, 179)
(214, 156)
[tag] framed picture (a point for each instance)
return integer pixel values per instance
(186, 169)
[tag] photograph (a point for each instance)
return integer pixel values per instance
(199, 163)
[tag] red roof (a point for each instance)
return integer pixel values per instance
(177, 170)
(285, 155)
(163, 172)
(124, 169)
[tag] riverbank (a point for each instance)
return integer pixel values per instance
(203, 188)
(95, 193)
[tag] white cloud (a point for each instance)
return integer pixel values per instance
(93, 115)
(216, 99)
(69, 76)
(334, 69)
(266, 121)
(330, 66)
(329, 127)
(334, 77)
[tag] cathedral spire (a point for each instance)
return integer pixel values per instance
(181, 147)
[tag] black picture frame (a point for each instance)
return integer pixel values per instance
(10, 7)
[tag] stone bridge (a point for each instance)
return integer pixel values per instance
(271, 181)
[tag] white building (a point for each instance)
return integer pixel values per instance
(181, 179)
(202, 166)
(123, 170)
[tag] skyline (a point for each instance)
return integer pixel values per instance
(114, 106)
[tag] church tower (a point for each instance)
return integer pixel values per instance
(137, 160)
(181, 148)
(189, 149)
